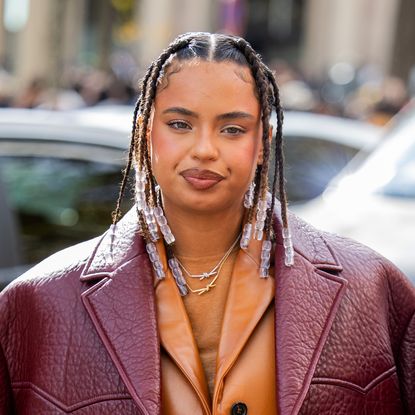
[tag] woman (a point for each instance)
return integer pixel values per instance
(205, 299)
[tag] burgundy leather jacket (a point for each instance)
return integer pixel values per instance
(78, 332)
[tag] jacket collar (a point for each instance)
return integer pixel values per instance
(122, 307)
(307, 298)
(120, 302)
(122, 242)
(118, 245)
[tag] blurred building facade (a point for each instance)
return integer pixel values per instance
(359, 32)
(316, 34)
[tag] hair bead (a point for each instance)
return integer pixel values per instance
(260, 220)
(155, 260)
(265, 258)
(237, 50)
(288, 247)
(246, 235)
(249, 196)
(151, 223)
(178, 276)
(164, 227)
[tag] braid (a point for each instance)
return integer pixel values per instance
(117, 212)
(223, 48)
(257, 181)
(258, 70)
(279, 155)
(139, 139)
(149, 94)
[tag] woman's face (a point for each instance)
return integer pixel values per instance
(206, 136)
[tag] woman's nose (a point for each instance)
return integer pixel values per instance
(205, 146)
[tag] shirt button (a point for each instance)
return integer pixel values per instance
(239, 408)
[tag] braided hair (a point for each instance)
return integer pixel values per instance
(215, 48)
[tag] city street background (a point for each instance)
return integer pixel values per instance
(354, 58)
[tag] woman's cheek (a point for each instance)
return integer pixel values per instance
(246, 157)
(161, 148)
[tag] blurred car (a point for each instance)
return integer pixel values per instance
(60, 173)
(374, 201)
(59, 179)
(318, 147)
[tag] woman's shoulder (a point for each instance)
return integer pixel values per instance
(48, 292)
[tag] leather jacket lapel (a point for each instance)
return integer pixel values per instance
(121, 305)
(307, 298)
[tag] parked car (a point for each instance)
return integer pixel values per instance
(60, 172)
(374, 201)
(318, 147)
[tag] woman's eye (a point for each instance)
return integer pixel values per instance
(232, 130)
(179, 125)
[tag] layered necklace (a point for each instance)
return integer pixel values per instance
(214, 272)
(156, 226)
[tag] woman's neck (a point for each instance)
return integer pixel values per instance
(199, 236)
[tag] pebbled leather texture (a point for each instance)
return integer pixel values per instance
(78, 332)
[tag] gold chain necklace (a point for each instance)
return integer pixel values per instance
(216, 271)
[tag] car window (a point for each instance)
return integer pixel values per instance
(57, 202)
(311, 164)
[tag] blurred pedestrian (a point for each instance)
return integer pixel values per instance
(31, 96)
(208, 297)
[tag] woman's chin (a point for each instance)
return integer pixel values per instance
(203, 204)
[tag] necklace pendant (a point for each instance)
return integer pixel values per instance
(208, 287)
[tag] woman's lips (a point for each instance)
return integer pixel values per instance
(201, 179)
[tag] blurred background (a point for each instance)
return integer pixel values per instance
(353, 58)
(69, 73)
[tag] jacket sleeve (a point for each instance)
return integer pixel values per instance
(406, 366)
(6, 394)
(402, 331)
(6, 400)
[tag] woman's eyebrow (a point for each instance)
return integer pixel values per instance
(235, 114)
(181, 111)
(226, 116)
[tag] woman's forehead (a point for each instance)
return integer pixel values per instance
(199, 81)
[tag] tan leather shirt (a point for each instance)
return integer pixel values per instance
(245, 371)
